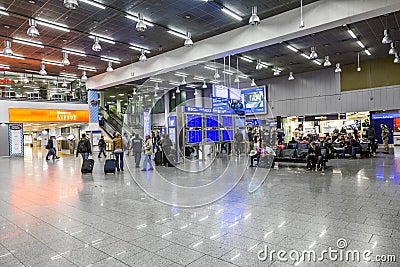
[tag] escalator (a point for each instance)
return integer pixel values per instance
(111, 122)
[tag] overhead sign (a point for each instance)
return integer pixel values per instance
(385, 116)
(221, 91)
(47, 115)
(254, 100)
(16, 139)
(219, 103)
(172, 121)
(198, 110)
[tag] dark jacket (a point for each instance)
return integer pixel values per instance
(84, 147)
(371, 133)
(316, 151)
(102, 143)
(50, 144)
(137, 144)
(354, 143)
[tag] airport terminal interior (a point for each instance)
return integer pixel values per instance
(199, 133)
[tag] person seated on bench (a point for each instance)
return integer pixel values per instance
(352, 146)
(292, 143)
(254, 154)
(314, 157)
(304, 141)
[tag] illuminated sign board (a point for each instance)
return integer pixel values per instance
(47, 115)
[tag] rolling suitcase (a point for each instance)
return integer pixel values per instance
(87, 166)
(109, 165)
(158, 158)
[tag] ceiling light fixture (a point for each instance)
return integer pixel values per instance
(156, 87)
(173, 96)
(43, 70)
(53, 25)
(65, 59)
(93, 4)
(2, 12)
(358, 62)
(50, 62)
(155, 93)
(360, 44)
(352, 34)
(180, 74)
(301, 15)
(259, 65)
(291, 77)
(71, 4)
(140, 25)
(313, 54)
(134, 91)
(109, 68)
(178, 90)
(317, 62)
(2, 66)
(28, 42)
(246, 59)
(338, 69)
(183, 81)
(204, 85)
(25, 78)
(110, 59)
(253, 82)
(188, 42)
(7, 48)
(64, 84)
(327, 62)
(134, 18)
(231, 13)
(33, 31)
(367, 52)
(74, 52)
(102, 38)
(209, 68)
(195, 92)
(134, 47)
(216, 75)
(393, 49)
(254, 19)
(96, 46)
(277, 72)
(237, 80)
(396, 58)
(292, 48)
(143, 56)
(386, 37)
(84, 77)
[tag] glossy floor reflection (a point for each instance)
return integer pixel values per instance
(51, 215)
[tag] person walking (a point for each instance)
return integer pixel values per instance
(385, 138)
(136, 145)
(51, 149)
(102, 146)
(166, 145)
(84, 148)
(125, 142)
(118, 152)
(238, 142)
(147, 147)
(371, 135)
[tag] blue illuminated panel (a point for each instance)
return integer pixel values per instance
(194, 137)
(227, 135)
(226, 121)
(212, 121)
(194, 121)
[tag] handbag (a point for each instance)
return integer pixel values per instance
(47, 147)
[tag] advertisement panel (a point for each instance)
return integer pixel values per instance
(16, 139)
(47, 115)
(254, 100)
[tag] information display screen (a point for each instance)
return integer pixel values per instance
(235, 94)
(221, 91)
(194, 121)
(240, 122)
(212, 136)
(254, 100)
(227, 135)
(226, 121)
(194, 137)
(212, 121)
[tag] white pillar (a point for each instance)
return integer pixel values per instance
(119, 105)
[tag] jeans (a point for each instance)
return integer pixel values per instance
(138, 157)
(85, 155)
(102, 150)
(52, 151)
(312, 160)
(147, 159)
(119, 160)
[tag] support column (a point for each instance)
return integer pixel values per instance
(93, 102)
(198, 99)
(166, 109)
(101, 99)
(119, 105)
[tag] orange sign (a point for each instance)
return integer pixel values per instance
(47, 115)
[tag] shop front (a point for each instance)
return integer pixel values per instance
(392, 120)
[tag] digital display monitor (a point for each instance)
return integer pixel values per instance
(221, 91)
(226, 121)
(212, 136)
(194, 137)
(235, 94)
(254, 100)
(212, 121)
(227, 135)
(194, 121)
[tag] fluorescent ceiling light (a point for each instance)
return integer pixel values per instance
(246, 59)
(183, 36)
(367, 52)
(110, 59)
(230, 13)
(13, 56)
(102, 38)
(292, 48)
(360, 44)
(3, 12)
(264, 65)
(28, 42)
(352, 34)
(228, 72)
(209, 68)
(156, 80)
(68, 75)
(4, 66)
(243, 76)
(174, 83)
(198, 78)
(180, 74)
(93, 4)
(74, 52)
(134, 18)
(51, 24)
(191, 86)
(87, 68)
(306, 56)
(50, 62)
(317, 62)
(133, 47)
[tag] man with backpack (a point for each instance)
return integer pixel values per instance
(102, 146)
(84, 148)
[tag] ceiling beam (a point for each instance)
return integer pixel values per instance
(318, 16)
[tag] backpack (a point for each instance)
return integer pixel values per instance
(82, 146)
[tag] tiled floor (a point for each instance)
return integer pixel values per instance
(51, 215)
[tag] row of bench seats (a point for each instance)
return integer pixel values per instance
(297, 155)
